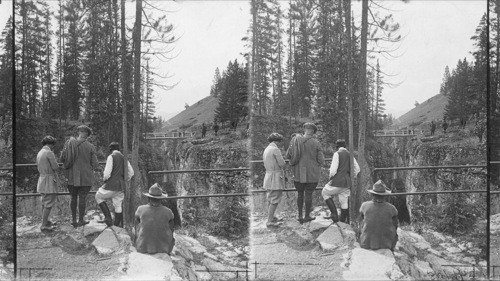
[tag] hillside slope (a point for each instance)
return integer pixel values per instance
(202, 111)
(424, 113)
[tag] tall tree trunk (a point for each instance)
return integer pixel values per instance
(364, 178)
(355, 192)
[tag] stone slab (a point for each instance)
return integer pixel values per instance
(330, 239)
(371, 265)
(93, 227)
(319, 223)
(148, 267)
(106, 243)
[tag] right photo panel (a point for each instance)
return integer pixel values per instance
(369, 140)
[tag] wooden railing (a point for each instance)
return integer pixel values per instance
(396, 133)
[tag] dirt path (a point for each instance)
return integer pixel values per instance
(287, 253)
(50, 255)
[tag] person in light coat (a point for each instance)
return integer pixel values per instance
(47, 182)
(274, 180)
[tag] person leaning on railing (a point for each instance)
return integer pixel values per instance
(79, 160)
(274, 180)
(47, 182)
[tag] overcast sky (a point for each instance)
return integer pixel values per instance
(437, 33)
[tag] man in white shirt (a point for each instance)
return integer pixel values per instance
(340, 182)
(114, 183)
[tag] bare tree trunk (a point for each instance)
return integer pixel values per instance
(364, 176)
(355, 198)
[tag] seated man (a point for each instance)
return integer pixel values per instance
(380, 220)
(154, 224)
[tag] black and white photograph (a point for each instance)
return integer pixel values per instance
(249, 140)
(368, 137)
(131, 140)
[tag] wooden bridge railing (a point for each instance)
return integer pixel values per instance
(392, 133)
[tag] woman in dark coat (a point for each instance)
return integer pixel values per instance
(154, 224)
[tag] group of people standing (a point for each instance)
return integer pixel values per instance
(154, 222)
(306, 157)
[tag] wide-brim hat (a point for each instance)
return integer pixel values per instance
(155, 192)
(84, 128)
(379, 188)
(310, 125)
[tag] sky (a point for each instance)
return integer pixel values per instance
(436, 34)
(5, 12)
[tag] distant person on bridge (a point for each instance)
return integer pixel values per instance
(216, 128)
(79, 160)
(203, 130)
(445, 126)
(340, 182)
(114, 184)
(433, 128)
(380, 220)
(154, 224)
(274, 180)
(48, 180)
(306, 158)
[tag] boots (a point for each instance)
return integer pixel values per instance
(119, 219)
(331, 205)
(82, 198)
(344, 215)
(107, 215)
(308, 204)
(45, 220)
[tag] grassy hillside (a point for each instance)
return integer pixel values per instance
(196, 114)
(424, 113)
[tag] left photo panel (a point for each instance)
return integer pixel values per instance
(131, 139)
(7, 242)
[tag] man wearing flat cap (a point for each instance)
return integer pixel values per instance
(79, 162)
(154, 224)
(274, 180)
(340, 182)
(306, 158)
(380, 220)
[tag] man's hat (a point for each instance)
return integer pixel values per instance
(155, 192)
(84, 128)
(379, 188)
(310, 125)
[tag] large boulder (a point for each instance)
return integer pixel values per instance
(106, 243)
(331, 238)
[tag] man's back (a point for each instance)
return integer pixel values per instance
(154, 230)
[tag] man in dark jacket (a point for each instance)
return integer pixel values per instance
(79, 161)
(306, 158)
(114, 184)
(380, 220)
